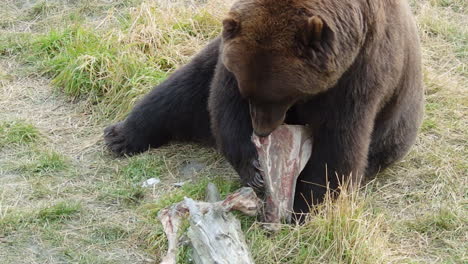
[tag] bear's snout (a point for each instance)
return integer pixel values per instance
(266, 118)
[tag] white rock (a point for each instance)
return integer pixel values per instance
(150, 182)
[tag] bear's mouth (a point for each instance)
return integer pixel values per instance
(267, 118)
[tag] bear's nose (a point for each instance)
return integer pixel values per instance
(266, 119)
(262, 133)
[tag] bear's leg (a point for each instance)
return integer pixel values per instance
(354, 146)
(393, 137)
(174, 110)
(232, 127)
(339, 157)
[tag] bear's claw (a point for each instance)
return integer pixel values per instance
(256, 181)
(115, 139)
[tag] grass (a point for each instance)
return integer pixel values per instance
(17, 132)
(446, 219)
(68, 69)
(83, 64)
(109, 233)
(344, 231)
(27, 144)
(59, 212)
(112, 67)
(141, 168)
(45, 163)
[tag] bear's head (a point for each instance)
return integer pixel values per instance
(282, 52)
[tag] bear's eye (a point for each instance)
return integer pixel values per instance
(230, 28)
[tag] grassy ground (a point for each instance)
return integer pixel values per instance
(69, 68)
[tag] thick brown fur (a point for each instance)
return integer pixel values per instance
(349, 69)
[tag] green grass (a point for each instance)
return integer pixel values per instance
(124, 194)
(14, 43)
(39, 162)
(59, 212)
(141, 168)
(109, 233)
(446, 219)
(50, 161)
(111, 68)
(84, 64)
(18, 132)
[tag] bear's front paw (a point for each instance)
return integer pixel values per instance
(117, 139)
(256, 178)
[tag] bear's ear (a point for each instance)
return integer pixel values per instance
(315, 28)
(314, 31)
(230, 27)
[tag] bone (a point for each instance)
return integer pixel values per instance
(282, 156)
(171, 219)
(214, 233)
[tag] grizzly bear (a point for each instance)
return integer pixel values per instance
(348, 69)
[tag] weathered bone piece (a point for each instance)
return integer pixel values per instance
(282, 156)
(214, 233)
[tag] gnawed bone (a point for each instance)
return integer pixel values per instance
(214, 233)
(282, 156)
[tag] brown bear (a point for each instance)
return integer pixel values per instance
(348, 69)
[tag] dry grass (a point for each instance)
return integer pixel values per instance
(346, 230)
(66, 69)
